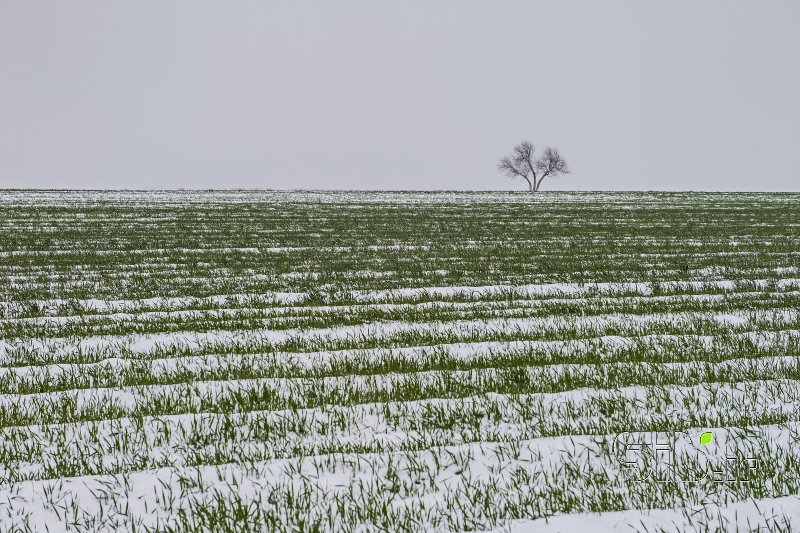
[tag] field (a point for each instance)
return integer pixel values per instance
(183, 361)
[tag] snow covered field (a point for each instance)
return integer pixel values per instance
(334, 361)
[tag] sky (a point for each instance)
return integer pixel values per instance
(143, 94)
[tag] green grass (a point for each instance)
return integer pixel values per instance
(264, 360)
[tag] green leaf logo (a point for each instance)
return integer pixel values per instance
(706, 437)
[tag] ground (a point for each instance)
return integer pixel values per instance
(249, 360)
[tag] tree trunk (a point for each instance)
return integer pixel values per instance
(539, 183)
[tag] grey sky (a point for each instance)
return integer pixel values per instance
(405, 94)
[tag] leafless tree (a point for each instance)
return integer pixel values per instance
(522, 163)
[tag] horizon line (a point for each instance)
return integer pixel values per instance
(433, 191)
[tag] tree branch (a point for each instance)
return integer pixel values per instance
(522, 162)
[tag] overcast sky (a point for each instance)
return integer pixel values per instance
(398, 95)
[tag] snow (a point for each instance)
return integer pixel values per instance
(749, 515)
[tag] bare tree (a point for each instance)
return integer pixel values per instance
(522, 163)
